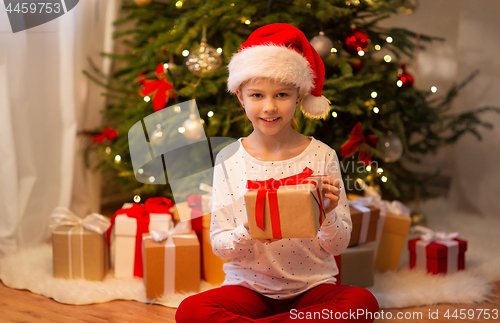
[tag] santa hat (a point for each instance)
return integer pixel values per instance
(283, 53)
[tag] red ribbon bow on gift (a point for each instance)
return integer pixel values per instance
(107, 133)
(352, 145)
(161, 86)
(141, 213)
(270, 188)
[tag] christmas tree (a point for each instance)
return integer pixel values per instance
(178, 51)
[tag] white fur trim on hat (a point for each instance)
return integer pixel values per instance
(279, 63)
(315, 107)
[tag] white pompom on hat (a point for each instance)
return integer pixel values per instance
(283, 53)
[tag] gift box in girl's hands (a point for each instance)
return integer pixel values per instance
(291, 207)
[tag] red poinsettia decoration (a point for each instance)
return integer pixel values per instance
(161, 88)
(107, 133)
(356, 138)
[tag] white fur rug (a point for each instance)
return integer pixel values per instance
(31, 269)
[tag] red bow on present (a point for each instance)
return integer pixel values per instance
(352, 145)
(270, 187)
(107, 133)
(141, 213)
(161, 86)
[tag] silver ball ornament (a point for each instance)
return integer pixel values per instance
(391, 148)
(193, 127)
(322, 44)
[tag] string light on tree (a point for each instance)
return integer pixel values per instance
(147, 98)
(152, 179)
(387, 58)
(389, 39)
(391, 147)
(137, 199)
(377, 47)
(334, 114)
(376, 110)
(193, 127)
(322, 44)
(434, 89)
(118, 159)
(140, 171)
(108, 150)
(210, 114)
(352, 2)
(373, 94)
(384, 179)
(185, 53)
(179, 4)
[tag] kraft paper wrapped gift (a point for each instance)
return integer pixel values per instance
(437, 252)
(396, 228)
(171, 265)
(212, 264)
(125, 236)
(364, 224)
(80, 250)
(356, 266)
(291, 207)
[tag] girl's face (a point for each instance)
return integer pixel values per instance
(268, 104)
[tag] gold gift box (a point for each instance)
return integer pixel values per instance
(357, 221)
(299, 210)
(79, 254)
(396, 228)
(212, 264)
(186, 262)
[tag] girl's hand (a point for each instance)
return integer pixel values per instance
(245, 224)
(331, 190)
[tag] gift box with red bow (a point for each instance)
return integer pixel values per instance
(125, 234)
(291, 207)
(437, 252)
(171, 261)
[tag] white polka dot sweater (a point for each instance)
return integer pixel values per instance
(286, 267)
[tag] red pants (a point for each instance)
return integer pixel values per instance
(323, 303)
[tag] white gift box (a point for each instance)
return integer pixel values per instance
(124, 239)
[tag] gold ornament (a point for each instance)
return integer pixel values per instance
(142, 3)
(203, 59)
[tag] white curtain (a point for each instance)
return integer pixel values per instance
(45, 100)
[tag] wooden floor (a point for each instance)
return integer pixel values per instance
(24, 306)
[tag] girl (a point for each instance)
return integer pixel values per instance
(289, 279)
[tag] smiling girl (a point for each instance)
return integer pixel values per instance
(286, 280)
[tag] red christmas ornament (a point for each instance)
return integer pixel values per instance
(356, 64)
(160, 86)
(107, 133)
(351, 145)
(405, 78)
(356, 40)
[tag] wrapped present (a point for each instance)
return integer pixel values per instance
(80, 250)
(212, 265)
(364, 222)
(437, 252)
(395, 230)
(203, 202)
(125, 234)
(291, 207)
(355, 266)
(171, 261)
